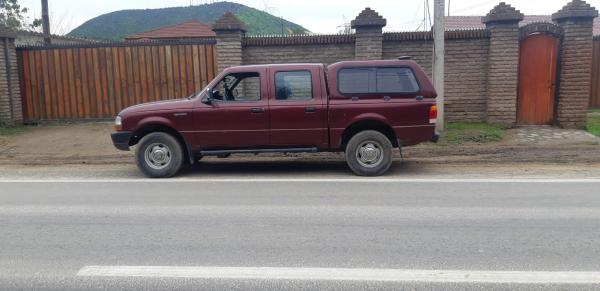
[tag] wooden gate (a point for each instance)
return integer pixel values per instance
(595, 90)
(97, 81)
(537, 79)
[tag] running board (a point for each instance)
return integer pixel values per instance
(258, 151)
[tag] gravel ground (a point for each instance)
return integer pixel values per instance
(91, 144)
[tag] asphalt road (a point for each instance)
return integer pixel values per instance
(52, 234)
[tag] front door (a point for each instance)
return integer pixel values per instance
(537, 79)
(297, 107)
(238, 116)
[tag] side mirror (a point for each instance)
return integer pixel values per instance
(208, 100)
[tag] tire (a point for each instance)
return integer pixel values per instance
(159, 155)
(369, 153)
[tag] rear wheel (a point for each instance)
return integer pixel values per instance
(159, 155)
(369, 153)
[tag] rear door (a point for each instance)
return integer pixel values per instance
(297, 107)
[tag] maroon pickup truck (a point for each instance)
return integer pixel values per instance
(364, 108)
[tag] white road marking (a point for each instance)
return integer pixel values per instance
(344, 274)
(303, 180)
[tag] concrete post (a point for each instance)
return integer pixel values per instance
(230, 31)
(576, 19)
(503, 64)
(369, 38)
(11, 112)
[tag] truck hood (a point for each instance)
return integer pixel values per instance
(177, 104)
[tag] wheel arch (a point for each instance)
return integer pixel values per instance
(151, 127)
(368, 124)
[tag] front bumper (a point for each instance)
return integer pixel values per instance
(121, 139)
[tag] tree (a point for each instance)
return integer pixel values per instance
(12, 15)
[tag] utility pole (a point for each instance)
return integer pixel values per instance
(46, 23)
(438, 59)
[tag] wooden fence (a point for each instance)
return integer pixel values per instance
(595, 90)
(97, 81)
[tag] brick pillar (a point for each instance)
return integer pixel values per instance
(576, 19)
(229, 30)
(369, 38)
(11, 112)
(503, 64)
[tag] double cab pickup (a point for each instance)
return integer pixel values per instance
(362, 108)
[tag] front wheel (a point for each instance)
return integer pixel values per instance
(159, 155)
(369, 153)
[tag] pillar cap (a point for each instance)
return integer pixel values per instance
(6, 32)
(503, 13)
(229, 22)
(368, 18)
(575, 9)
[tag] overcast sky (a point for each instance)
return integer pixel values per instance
(319, 16)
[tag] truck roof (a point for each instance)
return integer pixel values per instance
(373, 63)
(394, 62)
(291, 65)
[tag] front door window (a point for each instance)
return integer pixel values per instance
(238, 87)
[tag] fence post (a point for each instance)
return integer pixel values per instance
(503, 64)
(369, 38)
(229, 30)
(576, 19)
(11, 112)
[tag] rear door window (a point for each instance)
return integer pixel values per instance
(377, 80)
(293, 85)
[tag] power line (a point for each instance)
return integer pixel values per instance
(480, 4)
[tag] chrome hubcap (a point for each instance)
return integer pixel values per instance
(157, 156)
(369, 154)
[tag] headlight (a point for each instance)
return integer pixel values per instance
(118, 123)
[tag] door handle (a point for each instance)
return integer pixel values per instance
(310, 109)
(257, 110)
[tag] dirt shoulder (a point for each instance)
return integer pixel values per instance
(75, 144)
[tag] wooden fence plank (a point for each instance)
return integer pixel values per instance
(129, 77)
(190, 74)
(170, 75)
(210, 60)
(183, 71)
(70, 82)
(46, 83)
(122, 78)
(78, 94)
(63, 103)
(149, 73)
(203, 65)
(88, 85)
(109, 84)
(163, 72)
(26, 85)
(176, 72)
(156, 73)
(196, 69)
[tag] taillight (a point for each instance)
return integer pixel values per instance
(433, 114)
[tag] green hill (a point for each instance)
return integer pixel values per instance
(119, 24)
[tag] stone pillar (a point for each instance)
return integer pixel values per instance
(576, 19)
(230, 31)
(503, 64)
(11, 112)
(369, 38)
